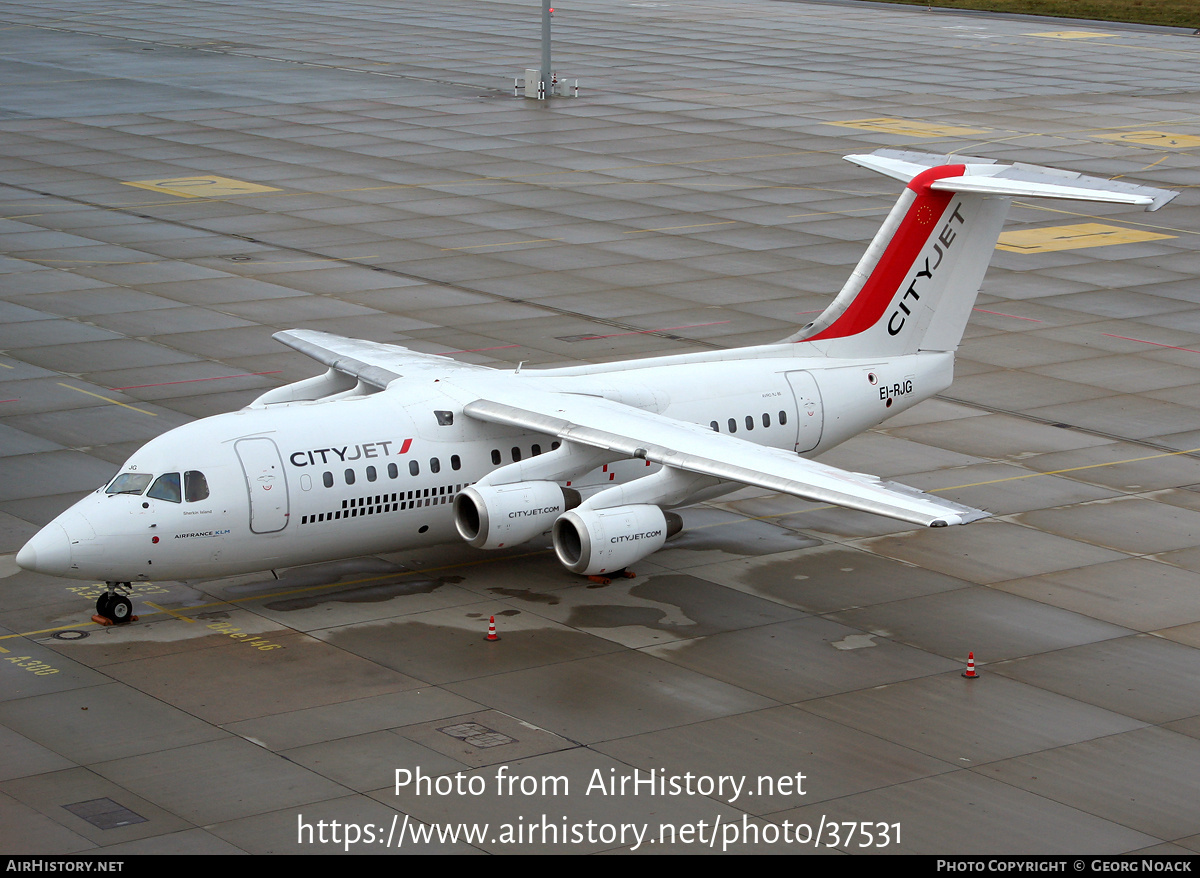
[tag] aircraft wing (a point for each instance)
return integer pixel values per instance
(612, 426)
(371, 362)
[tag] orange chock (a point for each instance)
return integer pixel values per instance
(969, 673)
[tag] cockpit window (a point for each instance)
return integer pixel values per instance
(129, 483)
(195, 486)
(165, 487)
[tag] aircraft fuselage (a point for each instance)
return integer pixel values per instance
(300, 482)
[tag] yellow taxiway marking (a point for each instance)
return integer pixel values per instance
(673, 228)
(908, 127)
(210, 186)
(1071, 35)
(1072, 469)
(106, 399)
(289, 592)
(1073, 238)
(1162, 139)
(503, 244)
(171, 613)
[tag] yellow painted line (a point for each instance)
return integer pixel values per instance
(1071, 35)
(1072, 469)
(1163, 139)
(1161, 228)
(503, 244)
(908, 127)
(97, 261)
(840, 212)
(1074, 237)
(210, 186)
(952, 487)
(171, 613)
(295, 591)
(106, 399)
(673, 228)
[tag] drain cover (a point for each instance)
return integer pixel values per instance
(105, 813)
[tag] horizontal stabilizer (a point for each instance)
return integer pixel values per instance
(987, 176)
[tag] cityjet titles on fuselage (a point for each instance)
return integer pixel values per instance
(944, 239)
(347, 453)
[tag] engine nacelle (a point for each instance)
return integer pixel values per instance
(494, 516)
(592, 541)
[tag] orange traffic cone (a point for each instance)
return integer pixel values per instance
(969, 673)
(492, 629)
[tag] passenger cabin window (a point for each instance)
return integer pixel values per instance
(516, 454)
(496, 456)
(749, 422)
(766, 420)
(435, 465)
(783, 417)
(129, 483)
(195, 486)
(349, 477)
(732, 425)
(393, 470)
(455, 462)
(716, 427)
(165, 487)
(414, 468)
(327, 480)
(371, 474)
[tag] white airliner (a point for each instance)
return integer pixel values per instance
(391, 449)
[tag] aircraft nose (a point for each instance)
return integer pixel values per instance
(48, 552)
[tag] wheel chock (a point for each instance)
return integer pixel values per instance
(107, 622)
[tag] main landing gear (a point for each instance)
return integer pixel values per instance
(113, 606)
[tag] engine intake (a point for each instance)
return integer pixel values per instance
(592, 541)
(494, 516)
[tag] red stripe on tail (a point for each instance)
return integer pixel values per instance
(898, 258)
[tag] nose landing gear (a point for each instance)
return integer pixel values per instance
(113, 607)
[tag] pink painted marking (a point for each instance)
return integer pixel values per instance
(1157, 344)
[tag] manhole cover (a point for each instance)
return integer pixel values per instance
(477, 735)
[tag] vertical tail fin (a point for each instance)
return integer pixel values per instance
(915, 286)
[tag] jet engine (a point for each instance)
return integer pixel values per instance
(494, 516)
(591, 541)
